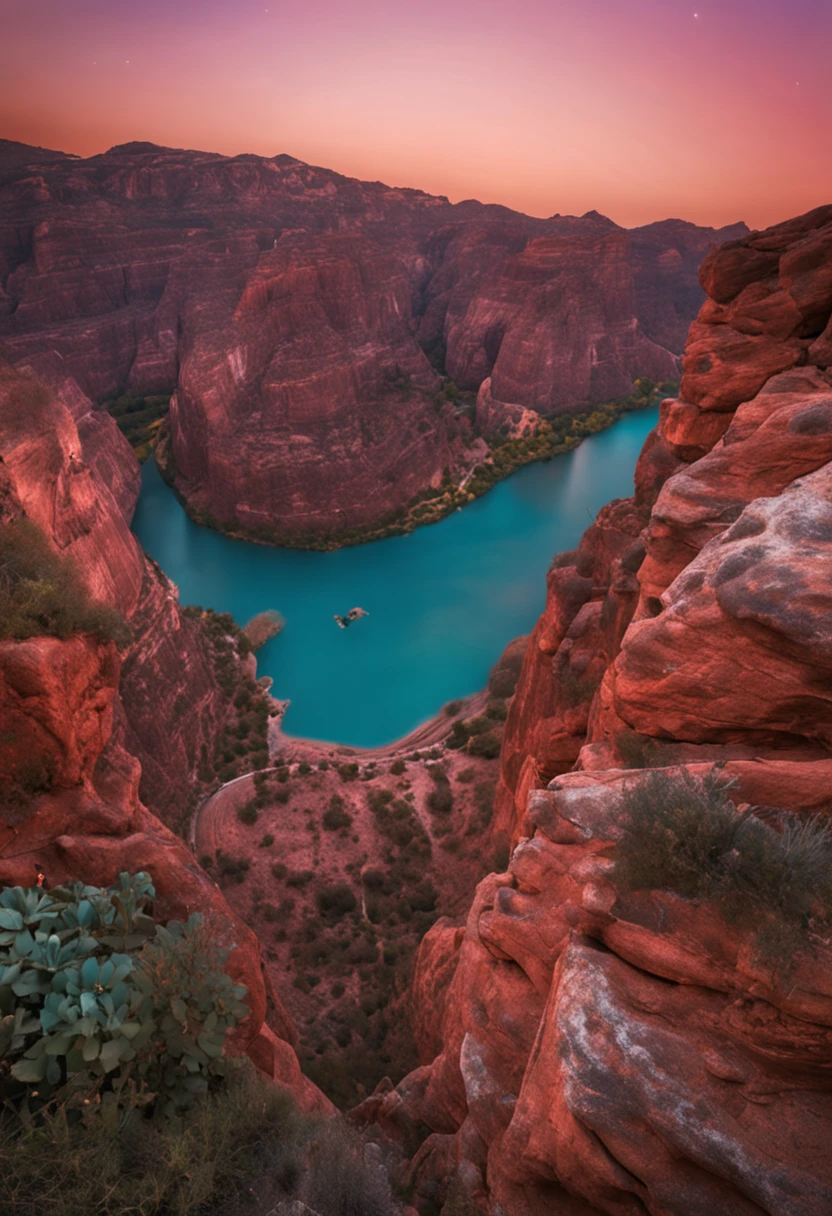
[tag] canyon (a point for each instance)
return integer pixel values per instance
(583, 1047)
(587, 1046)
(290, 312)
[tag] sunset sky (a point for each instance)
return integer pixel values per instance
(641, 109)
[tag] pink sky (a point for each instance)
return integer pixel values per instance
(642, 110)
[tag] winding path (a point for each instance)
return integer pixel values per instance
(203, 834)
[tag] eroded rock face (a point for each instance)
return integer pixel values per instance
(617, 1052)
(741, 651)
(613, 1052)
(70, 809)
(302, 375)
(288, 308)
(67, 466)
(562, 320)
(719, 470)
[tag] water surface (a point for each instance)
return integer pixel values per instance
(443, 601)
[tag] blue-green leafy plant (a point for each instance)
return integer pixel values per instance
(100, 1004)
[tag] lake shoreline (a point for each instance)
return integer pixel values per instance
(504, 459)
(428, 734)
(442, 602)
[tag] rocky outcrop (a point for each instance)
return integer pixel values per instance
(307, 407)
(613, 1052)
(70, 809)
(556, 325)
(70, 470)
(287, 309)
(717, 488)
(587, 1047)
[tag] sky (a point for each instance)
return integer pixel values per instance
(640, 109)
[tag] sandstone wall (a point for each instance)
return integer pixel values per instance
(288, 308)
(589, 1049)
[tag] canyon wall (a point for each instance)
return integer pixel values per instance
(70, 809)
(90, 733)
(69, 469)
(288, 310)
(588, 1047)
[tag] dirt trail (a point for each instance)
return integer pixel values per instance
(205, 827)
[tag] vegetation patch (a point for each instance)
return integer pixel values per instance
(139, 420)
(41, 593)
(772, 879)
(335, 816)
(241, 1151)
(101, 1005)
(243, 743)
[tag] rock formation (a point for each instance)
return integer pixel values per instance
(67, 466)
(288, 309)
(71, 809)
(587, 1047)
(86, 731)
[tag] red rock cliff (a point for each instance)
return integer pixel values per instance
(80, 816)
(69, 468)
(288, 306)
(592, 1050)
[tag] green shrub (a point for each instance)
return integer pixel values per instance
(685, 835)
(635, 750)
(478, 725)
(398, 767)
(299, 878)
(466, 775)
(374, 880)
(234, 868)
(94, 1005)
(458, 736)
(247, 813)
(335, 816)
(41, 593)
(242, 1150)
(336, 900)
(487, 746)
(504, 675)
(348, 771)
(377, 800)
(440, 800)
(267, 841)
(484, 801)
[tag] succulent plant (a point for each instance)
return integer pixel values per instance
(95, 996)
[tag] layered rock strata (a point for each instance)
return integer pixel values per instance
(69, 469)
(287, 310)
(71, 810)
(588, 1048)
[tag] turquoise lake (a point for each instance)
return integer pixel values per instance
(443, 601)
